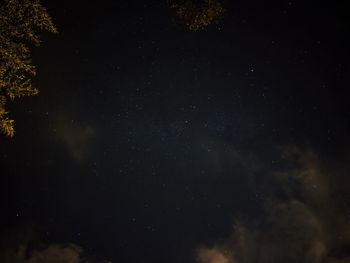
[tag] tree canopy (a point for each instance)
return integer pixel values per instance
(20, 24)
(197, 14)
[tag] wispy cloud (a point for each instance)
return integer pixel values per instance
(23, 246)
(76, 137)
(309, 224)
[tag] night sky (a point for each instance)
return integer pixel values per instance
(150, 142)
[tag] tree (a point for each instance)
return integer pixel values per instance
(20, 22)
(197, 14)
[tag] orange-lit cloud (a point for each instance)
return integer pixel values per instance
(311, 225)
(76, 137)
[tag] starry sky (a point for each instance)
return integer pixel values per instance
(150, 142)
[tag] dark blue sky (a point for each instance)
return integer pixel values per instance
(148, 139)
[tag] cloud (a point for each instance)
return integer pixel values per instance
(22, 245)
(308, 224)
(56, 253)
(76, 137)
(212, 255)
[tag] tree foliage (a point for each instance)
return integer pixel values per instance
(197, 14)
(20, 23)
